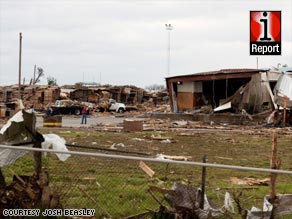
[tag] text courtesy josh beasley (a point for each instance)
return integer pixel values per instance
(49, 212)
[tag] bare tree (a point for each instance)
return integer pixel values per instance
(37, 74)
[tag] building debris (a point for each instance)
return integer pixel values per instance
(282, 206)
(166, 141)
(169, 157)
(146, 169)
(250, 181)
(37, 97)
(283, 90)
(17, 131)
(133, 125)
(25, 192)
(184, 203)
(115, 145)
(248, 92)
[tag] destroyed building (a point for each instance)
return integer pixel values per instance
(40, 96)
(127, 94)
(33, 96)
(226, 89)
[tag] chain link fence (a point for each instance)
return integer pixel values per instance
(119, 188)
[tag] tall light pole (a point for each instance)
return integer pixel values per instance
(168, 28)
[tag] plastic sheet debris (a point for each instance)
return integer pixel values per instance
(57, 143)
(282, 206)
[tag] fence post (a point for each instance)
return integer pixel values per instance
(203, 183)
(275, 164)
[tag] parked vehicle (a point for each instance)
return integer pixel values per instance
(66, 107)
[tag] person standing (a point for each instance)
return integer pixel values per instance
(48, 111)
(84, 115)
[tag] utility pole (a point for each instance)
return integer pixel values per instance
(34, 71)
(168, 28)
(19, 66)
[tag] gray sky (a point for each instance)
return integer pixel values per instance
(125, 42)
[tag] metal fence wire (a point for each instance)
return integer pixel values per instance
(117, 187)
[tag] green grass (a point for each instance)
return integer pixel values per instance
(119, 187)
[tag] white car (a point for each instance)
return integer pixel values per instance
(117, 107)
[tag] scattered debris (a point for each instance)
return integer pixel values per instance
(250, 181)
(180, 123)
(168, 157)
(146, 169)
(159, 138)
(224, 158)
(184, 203)
(282, 206)
(133, 125)
(115, 145)
(24, 192)
(138, 139)
(19, 130)
(166, 141)
(283, 90)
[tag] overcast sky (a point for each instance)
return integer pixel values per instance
(125, 42)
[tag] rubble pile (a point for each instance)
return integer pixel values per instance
(39, 97)
(185, 202)
(26, 191)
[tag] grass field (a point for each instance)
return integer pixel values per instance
(118, 188)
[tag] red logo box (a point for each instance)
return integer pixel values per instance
(265, 32)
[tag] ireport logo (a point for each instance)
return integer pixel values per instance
(265, 33)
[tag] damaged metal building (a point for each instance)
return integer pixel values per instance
(232, 89)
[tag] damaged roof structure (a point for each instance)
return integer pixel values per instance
(232, 89)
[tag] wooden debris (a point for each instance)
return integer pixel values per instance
(27, 189)
(133, 125)
(28, 192)
(249, 181)
(146, 169)
(179, 158)
(224, 158)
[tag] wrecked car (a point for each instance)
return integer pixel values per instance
(111, 105)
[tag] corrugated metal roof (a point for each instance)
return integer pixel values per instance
(284, 86)
(223, 71)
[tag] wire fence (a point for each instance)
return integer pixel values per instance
(117, 186)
